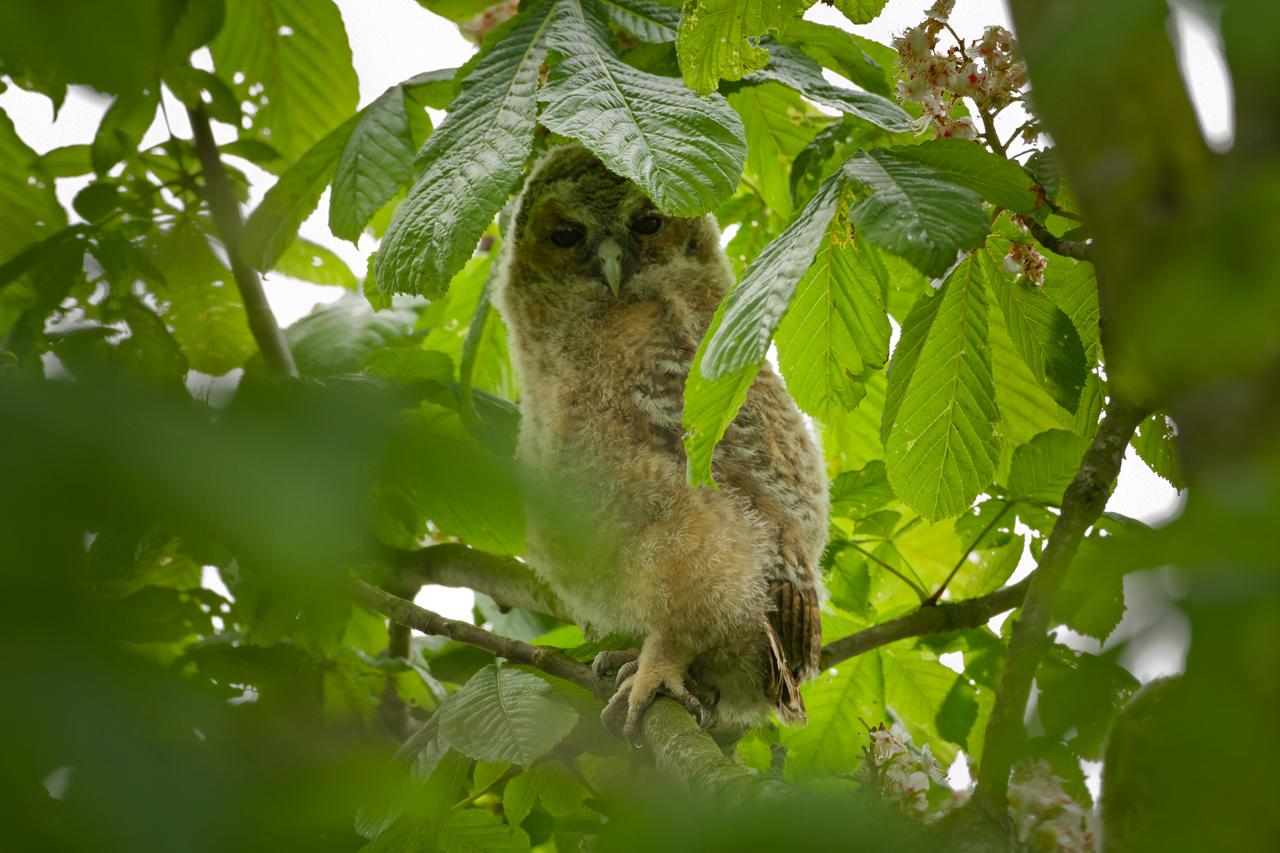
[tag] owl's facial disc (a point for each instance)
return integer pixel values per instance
(610, 254)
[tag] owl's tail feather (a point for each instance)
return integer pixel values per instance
(780, 682)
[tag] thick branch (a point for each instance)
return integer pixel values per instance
(504, 579)
(226, 217)
(512, 584)
(1082, 503)
(679, 745)
(928, 619)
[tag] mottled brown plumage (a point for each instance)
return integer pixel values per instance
(719, 588)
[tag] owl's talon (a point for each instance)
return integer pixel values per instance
(613, 660)
(625, 671)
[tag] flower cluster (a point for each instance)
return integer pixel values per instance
(1024, 259)
(988, 71)
(1044, 816)
(478, 26)
(899, 773)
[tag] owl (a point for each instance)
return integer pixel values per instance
(606, 300)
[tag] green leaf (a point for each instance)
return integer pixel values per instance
(852, 439)
(29, 211)
(274, 223)
(478, 831)
(1083, 692)
(307, 261)
(836, 328)
(868, 64)
(710, 405)
(470, 164)
(685, 152)
(122, 127)
(1156, 447)
(1044, 336)
(1026, 409)
(339, 337)
(914, 211)
(1043, 469)
(199, 300)
(967, 163)
(860, 11)
(860, 492)
(936, 705)
(1091, 599)
(291, 59)
(551, 782)
(375, 163)
(718, 38)
(993, 569)
(66, 161)
(438, 469)
(505, 714)
(774, 118)
(793, 68)
(752, 310)
(1073, 286)
(646, 20)
(940, 411)
(837, 701)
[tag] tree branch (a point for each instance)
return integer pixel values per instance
(226, 217)
(504, 579)
(1082, 503)
(680, 746)
(928, 619)
(512, 584)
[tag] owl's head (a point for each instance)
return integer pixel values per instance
(584, 239)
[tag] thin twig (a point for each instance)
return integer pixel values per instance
(915, 587)
(226, 217)
(1052, 242)
(937, 595)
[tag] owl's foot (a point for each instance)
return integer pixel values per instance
(657, 672)
(610, 662)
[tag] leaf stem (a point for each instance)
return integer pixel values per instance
(915, 587)
(226, 217)
(933, 599)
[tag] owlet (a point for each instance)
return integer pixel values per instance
(606, 300)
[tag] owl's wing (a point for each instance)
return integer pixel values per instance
(797, 622)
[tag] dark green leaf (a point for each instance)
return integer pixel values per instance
(914, 211)
(719, 38)
(1045, 338)
(644, 19)
(470, 163)
(1001, 182)
(793, 68)
(1155, 444)
(339, 337)
(685, 152)
(752, 310)
(376, 162)
(505, 714)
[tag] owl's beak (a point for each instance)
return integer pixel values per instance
(610, 254)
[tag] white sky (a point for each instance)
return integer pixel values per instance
(392, 40)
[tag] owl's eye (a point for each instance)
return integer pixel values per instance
(646, 225)
(566, 236)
